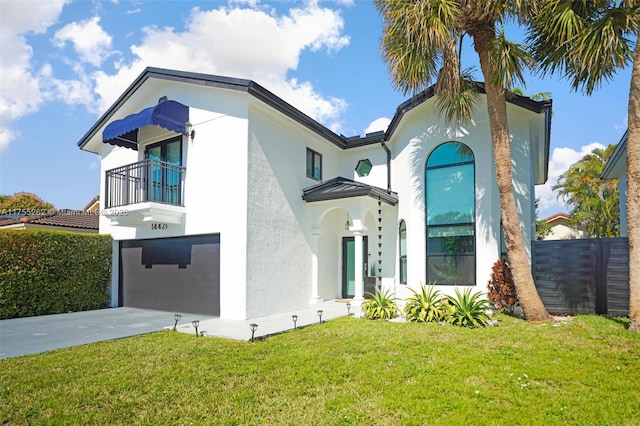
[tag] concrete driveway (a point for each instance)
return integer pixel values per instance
(33, 335)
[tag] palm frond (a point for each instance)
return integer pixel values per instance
(584, 41)
(601, 49)
(510, 61)
(415, 35)
(457, 107)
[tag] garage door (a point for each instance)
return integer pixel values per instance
(173, 274)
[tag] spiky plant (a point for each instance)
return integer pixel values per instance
(425, 305)
(469, 310)
(381, 305)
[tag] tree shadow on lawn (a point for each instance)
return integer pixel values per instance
(623, 321)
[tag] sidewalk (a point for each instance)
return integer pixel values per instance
(269, 325)
(34, 335)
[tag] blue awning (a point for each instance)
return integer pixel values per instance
(171, 115)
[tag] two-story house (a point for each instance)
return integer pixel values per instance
(223, 199)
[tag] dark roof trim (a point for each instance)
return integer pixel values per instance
(209, 80)
(280, 105)
(521, 101)
(339, 187)
(616, 156)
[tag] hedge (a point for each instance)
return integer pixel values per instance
(52, 272)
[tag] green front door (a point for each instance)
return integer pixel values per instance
(349, 265)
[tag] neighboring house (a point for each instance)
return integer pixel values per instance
(616, 168)
(93, 206)
(57, 220)
(560, 228)
(223, 199)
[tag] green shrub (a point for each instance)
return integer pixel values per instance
(468, 310)
(425, 305)
(381, 305)
(502, 290)
(50, 272)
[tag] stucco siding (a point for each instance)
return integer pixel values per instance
(215, 178)
(278, 220)
(420, 133)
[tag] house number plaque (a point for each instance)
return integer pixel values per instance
(159, 226)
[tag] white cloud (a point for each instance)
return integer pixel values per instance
(246, 40)
(5, 138)
(240, 42)
(17, 20)
(21, 86)
(622, 127)
(89, 40)
(377, 125)
(561, 160)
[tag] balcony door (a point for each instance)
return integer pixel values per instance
(164, 173)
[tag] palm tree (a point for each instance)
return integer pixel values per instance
(419, 44)
(595, 201)
(588, 41)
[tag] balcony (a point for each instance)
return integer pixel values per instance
(146, 191)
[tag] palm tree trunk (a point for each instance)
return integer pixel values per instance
(532, 306)
(633, 192)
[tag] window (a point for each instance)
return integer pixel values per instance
(363, 168)
(450, 207)
(402, 237)
(169, 151)
(165, 173)
(503, 244)
(314, 165)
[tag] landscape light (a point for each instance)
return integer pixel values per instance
(195, 323)
(320, 315)
(295, 320)
(176, 317)
(253, 328)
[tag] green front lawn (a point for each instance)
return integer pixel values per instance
(346, 371)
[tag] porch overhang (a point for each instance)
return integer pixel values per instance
(171, 115)
(340, 187)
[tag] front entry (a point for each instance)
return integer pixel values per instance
(349, 264)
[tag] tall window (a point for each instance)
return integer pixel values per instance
(164, 173)
(451, 213)
(402, 237)
(314, 165)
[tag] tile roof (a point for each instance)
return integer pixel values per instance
(559, 215)
(63, 218)
(95, 200)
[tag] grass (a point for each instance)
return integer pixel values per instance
(345, 372)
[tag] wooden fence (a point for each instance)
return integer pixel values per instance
(583, 276)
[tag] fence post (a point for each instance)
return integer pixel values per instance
(602, 259)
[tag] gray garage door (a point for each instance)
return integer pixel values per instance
(173, 274)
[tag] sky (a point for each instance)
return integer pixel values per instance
(64, 62)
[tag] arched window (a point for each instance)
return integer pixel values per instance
(451, 215)
(402, 250)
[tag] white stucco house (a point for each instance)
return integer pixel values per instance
(616, 168)
(223, 199)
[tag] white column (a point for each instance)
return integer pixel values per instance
(315, 240)
(358, 264)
